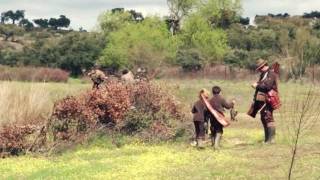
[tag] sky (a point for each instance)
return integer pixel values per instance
(84, 13)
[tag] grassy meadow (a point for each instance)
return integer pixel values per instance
(242, 156)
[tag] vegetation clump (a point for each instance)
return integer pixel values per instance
(142, 109)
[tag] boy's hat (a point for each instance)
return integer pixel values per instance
(260, 63)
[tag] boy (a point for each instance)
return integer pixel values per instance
(200, 117)
(219, 104)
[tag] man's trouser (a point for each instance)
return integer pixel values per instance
(268, 123)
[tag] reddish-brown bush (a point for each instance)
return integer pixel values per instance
(74, 115)
(13, 139)
(131, 108)
(142, 109)
(33, 74)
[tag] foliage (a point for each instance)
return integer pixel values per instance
(197, 34)
(220, 13)
(178, 9)
(147, 44)
(25, 23)
(113, 20)
(73, 52)
(190, 60)
(129, 108)
(245, 59)
(14, 16)
(10, 31)
(43, 23)
(62, 21)
(13, 139)
(313, 14)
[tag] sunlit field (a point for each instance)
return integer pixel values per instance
(242, 156)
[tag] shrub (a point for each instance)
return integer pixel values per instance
(13, 139)
(74, 115)
(190, 60)
(23, 111)
(142, 108)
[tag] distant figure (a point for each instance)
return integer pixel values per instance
(97, 77)
(127, 76)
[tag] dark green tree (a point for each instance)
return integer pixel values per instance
(4, 18)
(61, 22)
(26, 24)
(17, 16)
(43, 23)
(244, 21)
(14, 16)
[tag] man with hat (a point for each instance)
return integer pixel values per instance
(97, 76)
(267, 82)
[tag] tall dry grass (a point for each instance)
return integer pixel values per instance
(24, 103)
(33, 74)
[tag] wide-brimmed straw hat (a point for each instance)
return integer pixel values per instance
(260, 63)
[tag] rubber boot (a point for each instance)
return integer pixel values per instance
(271, 135)
(217, 140)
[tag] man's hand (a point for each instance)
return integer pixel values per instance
(254, 85)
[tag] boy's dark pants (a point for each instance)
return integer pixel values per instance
(216, 132)
(215, 127)
(200, 130)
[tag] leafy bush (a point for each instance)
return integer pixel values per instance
(190, 60)
(198, 34)
(143, 109)
(74, 115)
(13, 139)
(147, 44)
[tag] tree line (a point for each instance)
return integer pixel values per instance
(193, 35)
(18, 16)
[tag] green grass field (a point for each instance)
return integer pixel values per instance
(242, 156)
